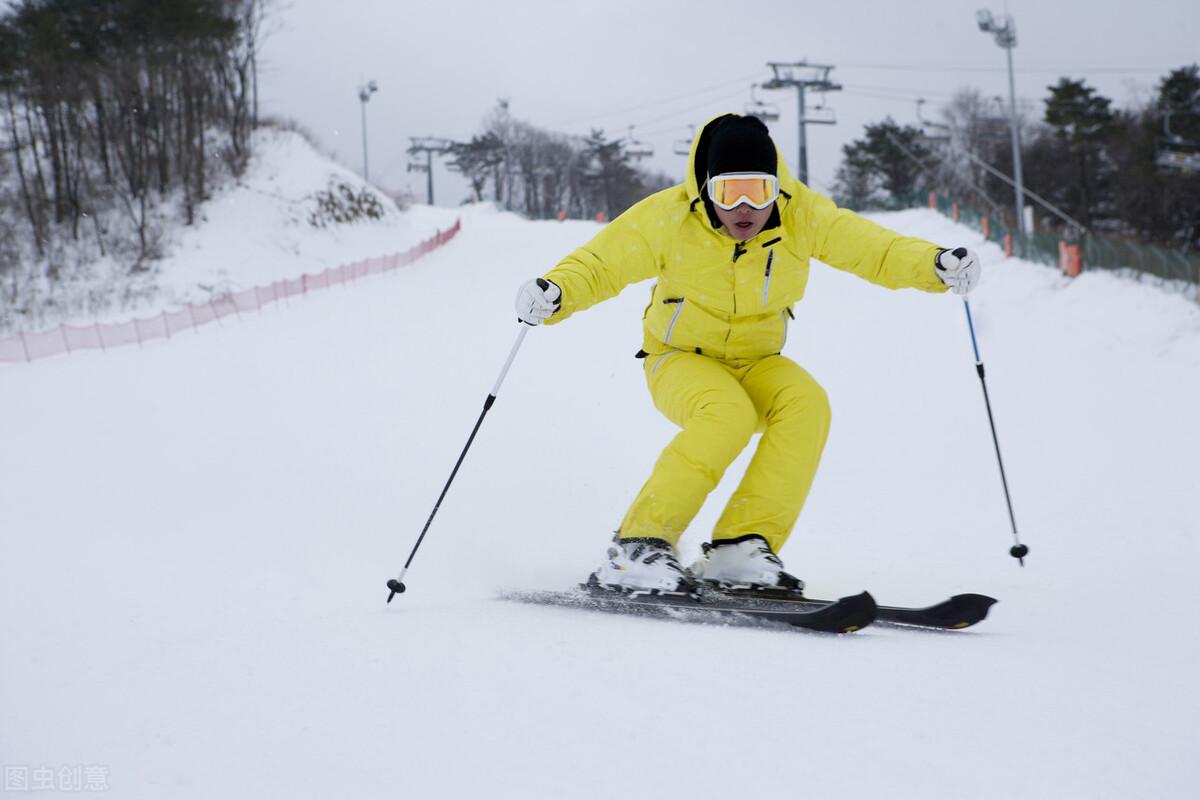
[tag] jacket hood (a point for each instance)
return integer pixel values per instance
(697, 172)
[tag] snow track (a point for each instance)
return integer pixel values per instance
(195, 536)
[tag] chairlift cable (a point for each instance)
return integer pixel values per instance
(674, 114)
(653, 104)
(952, 68)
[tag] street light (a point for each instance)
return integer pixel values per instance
(1005, 31)
(364, 94)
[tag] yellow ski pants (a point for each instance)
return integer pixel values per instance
(720, 405)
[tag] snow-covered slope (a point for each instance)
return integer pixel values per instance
(260, 230)
(195, 538)
(252, 231)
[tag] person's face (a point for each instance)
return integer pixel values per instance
(744, 221)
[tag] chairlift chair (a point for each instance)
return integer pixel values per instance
(1171, 160)
(1175, 154)
(931, 132)
(932, 137)
(767, 112)
(683, 147)
(636, 149)
(995, 129)
(819, 115)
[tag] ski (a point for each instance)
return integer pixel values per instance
(959, 611)
(838, 616)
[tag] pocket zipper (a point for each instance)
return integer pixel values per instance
(767, 282)
(674, 317)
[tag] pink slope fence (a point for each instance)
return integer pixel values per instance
(69, 338)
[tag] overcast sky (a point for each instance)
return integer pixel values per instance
(662, 66)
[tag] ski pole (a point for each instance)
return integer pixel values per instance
(1018, 550)
(396, 584)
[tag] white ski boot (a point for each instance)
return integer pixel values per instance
(743, 563)
(641, 565)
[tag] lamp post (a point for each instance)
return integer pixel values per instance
(364, 94)
(1005, 31)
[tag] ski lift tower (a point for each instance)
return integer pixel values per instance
(1005, 31)
(428, 145)
(802, 76)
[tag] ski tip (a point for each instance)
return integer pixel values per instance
(981, 599)
(969, 609)
(980, 602)
(854, 612)
(861, 599)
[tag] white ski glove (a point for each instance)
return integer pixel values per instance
(537, 300)
(958, 268)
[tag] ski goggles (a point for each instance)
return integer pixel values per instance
(730, 190)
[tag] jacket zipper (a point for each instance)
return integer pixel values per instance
(767, 281)
(787, 312)
(674, 317)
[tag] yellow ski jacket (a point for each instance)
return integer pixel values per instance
(724, 298)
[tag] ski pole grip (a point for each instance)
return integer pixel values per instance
(508, 363)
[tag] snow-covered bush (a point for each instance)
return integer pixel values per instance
(339, 203)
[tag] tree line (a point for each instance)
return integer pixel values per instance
(540, 173)
(1124, 172)
(108, 108)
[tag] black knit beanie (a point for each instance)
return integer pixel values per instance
(741, 144)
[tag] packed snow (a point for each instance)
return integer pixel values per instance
(196, 535)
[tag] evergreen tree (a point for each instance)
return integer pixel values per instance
(477, 159)
(855, 184)
(1179, 94)
(1181, 87)
(883, 164)
(609, 171)
(1082, 120)
(1178, 193)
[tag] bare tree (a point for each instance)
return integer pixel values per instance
(110, 109)
(542, 173)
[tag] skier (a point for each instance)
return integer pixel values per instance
(730, 250)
